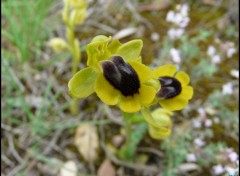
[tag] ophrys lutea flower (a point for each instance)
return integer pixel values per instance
(115, 74)
(175, 91)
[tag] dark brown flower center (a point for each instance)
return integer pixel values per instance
(121, 76)
(170, 87)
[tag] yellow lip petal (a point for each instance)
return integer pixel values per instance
(105, 91)
(174, 104)
(144, 73)
(146, 94)
(129, 104)
(187, 92)
(165, 70)
(183, 78)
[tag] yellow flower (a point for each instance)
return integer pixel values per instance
(175, 91)
(116, 75)
(125, 84)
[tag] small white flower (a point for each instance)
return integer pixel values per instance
(211, 50)
(216, 59)
(229, 150)
(196, 123)
(233, 156)
(178, 18)
(191, 157)
(184, 10)
(199, 142)
(218, 170)
(184, 22)
(175, 55)
(175, 33)
(230, 52)
(230, 170)
(235, 73)
(155, 36)
(179, 32)
(227, 89)
(208, 123)
(170, 16)
(201, 112)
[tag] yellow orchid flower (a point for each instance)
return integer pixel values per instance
(115, 74)
(175, 91)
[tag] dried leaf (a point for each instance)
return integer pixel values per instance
(86, 140)
(106, 169)
(187, 167)
(69, 169)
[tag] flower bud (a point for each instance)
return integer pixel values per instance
(58, 45)
(77, 16)
(78, 4)
(163, 122)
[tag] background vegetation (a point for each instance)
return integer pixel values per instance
(37, 128)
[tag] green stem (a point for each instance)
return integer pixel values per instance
(133, 137)
(128, 127)
(74, 47)
(147, 115)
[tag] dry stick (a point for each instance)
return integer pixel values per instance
(6, 160)
(138, 17)
(150, 150)
(12, 148)
(15, 78)
(138, 167)
(112, 117)
(32, 163)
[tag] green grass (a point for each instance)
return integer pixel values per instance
(25, 25)
(24, 33)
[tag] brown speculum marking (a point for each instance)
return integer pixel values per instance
(170, 87)
(121, 76)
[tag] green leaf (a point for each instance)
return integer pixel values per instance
(130, 51)
(82, 83)
(128, 150)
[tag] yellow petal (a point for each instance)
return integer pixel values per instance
(159, 133)
(129, 104)
(165, 70)
(187, 92)
(144, 73)
(174, 104)
(146, 94)
(81, 84)
(105, 91)
(183, 78)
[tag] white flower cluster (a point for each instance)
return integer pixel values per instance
(175, 55)
(220, 169)
(180, 18)
(215, 58)
(227, 89)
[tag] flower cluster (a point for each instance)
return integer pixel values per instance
(180, 19)
(118, 77)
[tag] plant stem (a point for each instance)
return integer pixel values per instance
(74, 47)
(128, 126)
